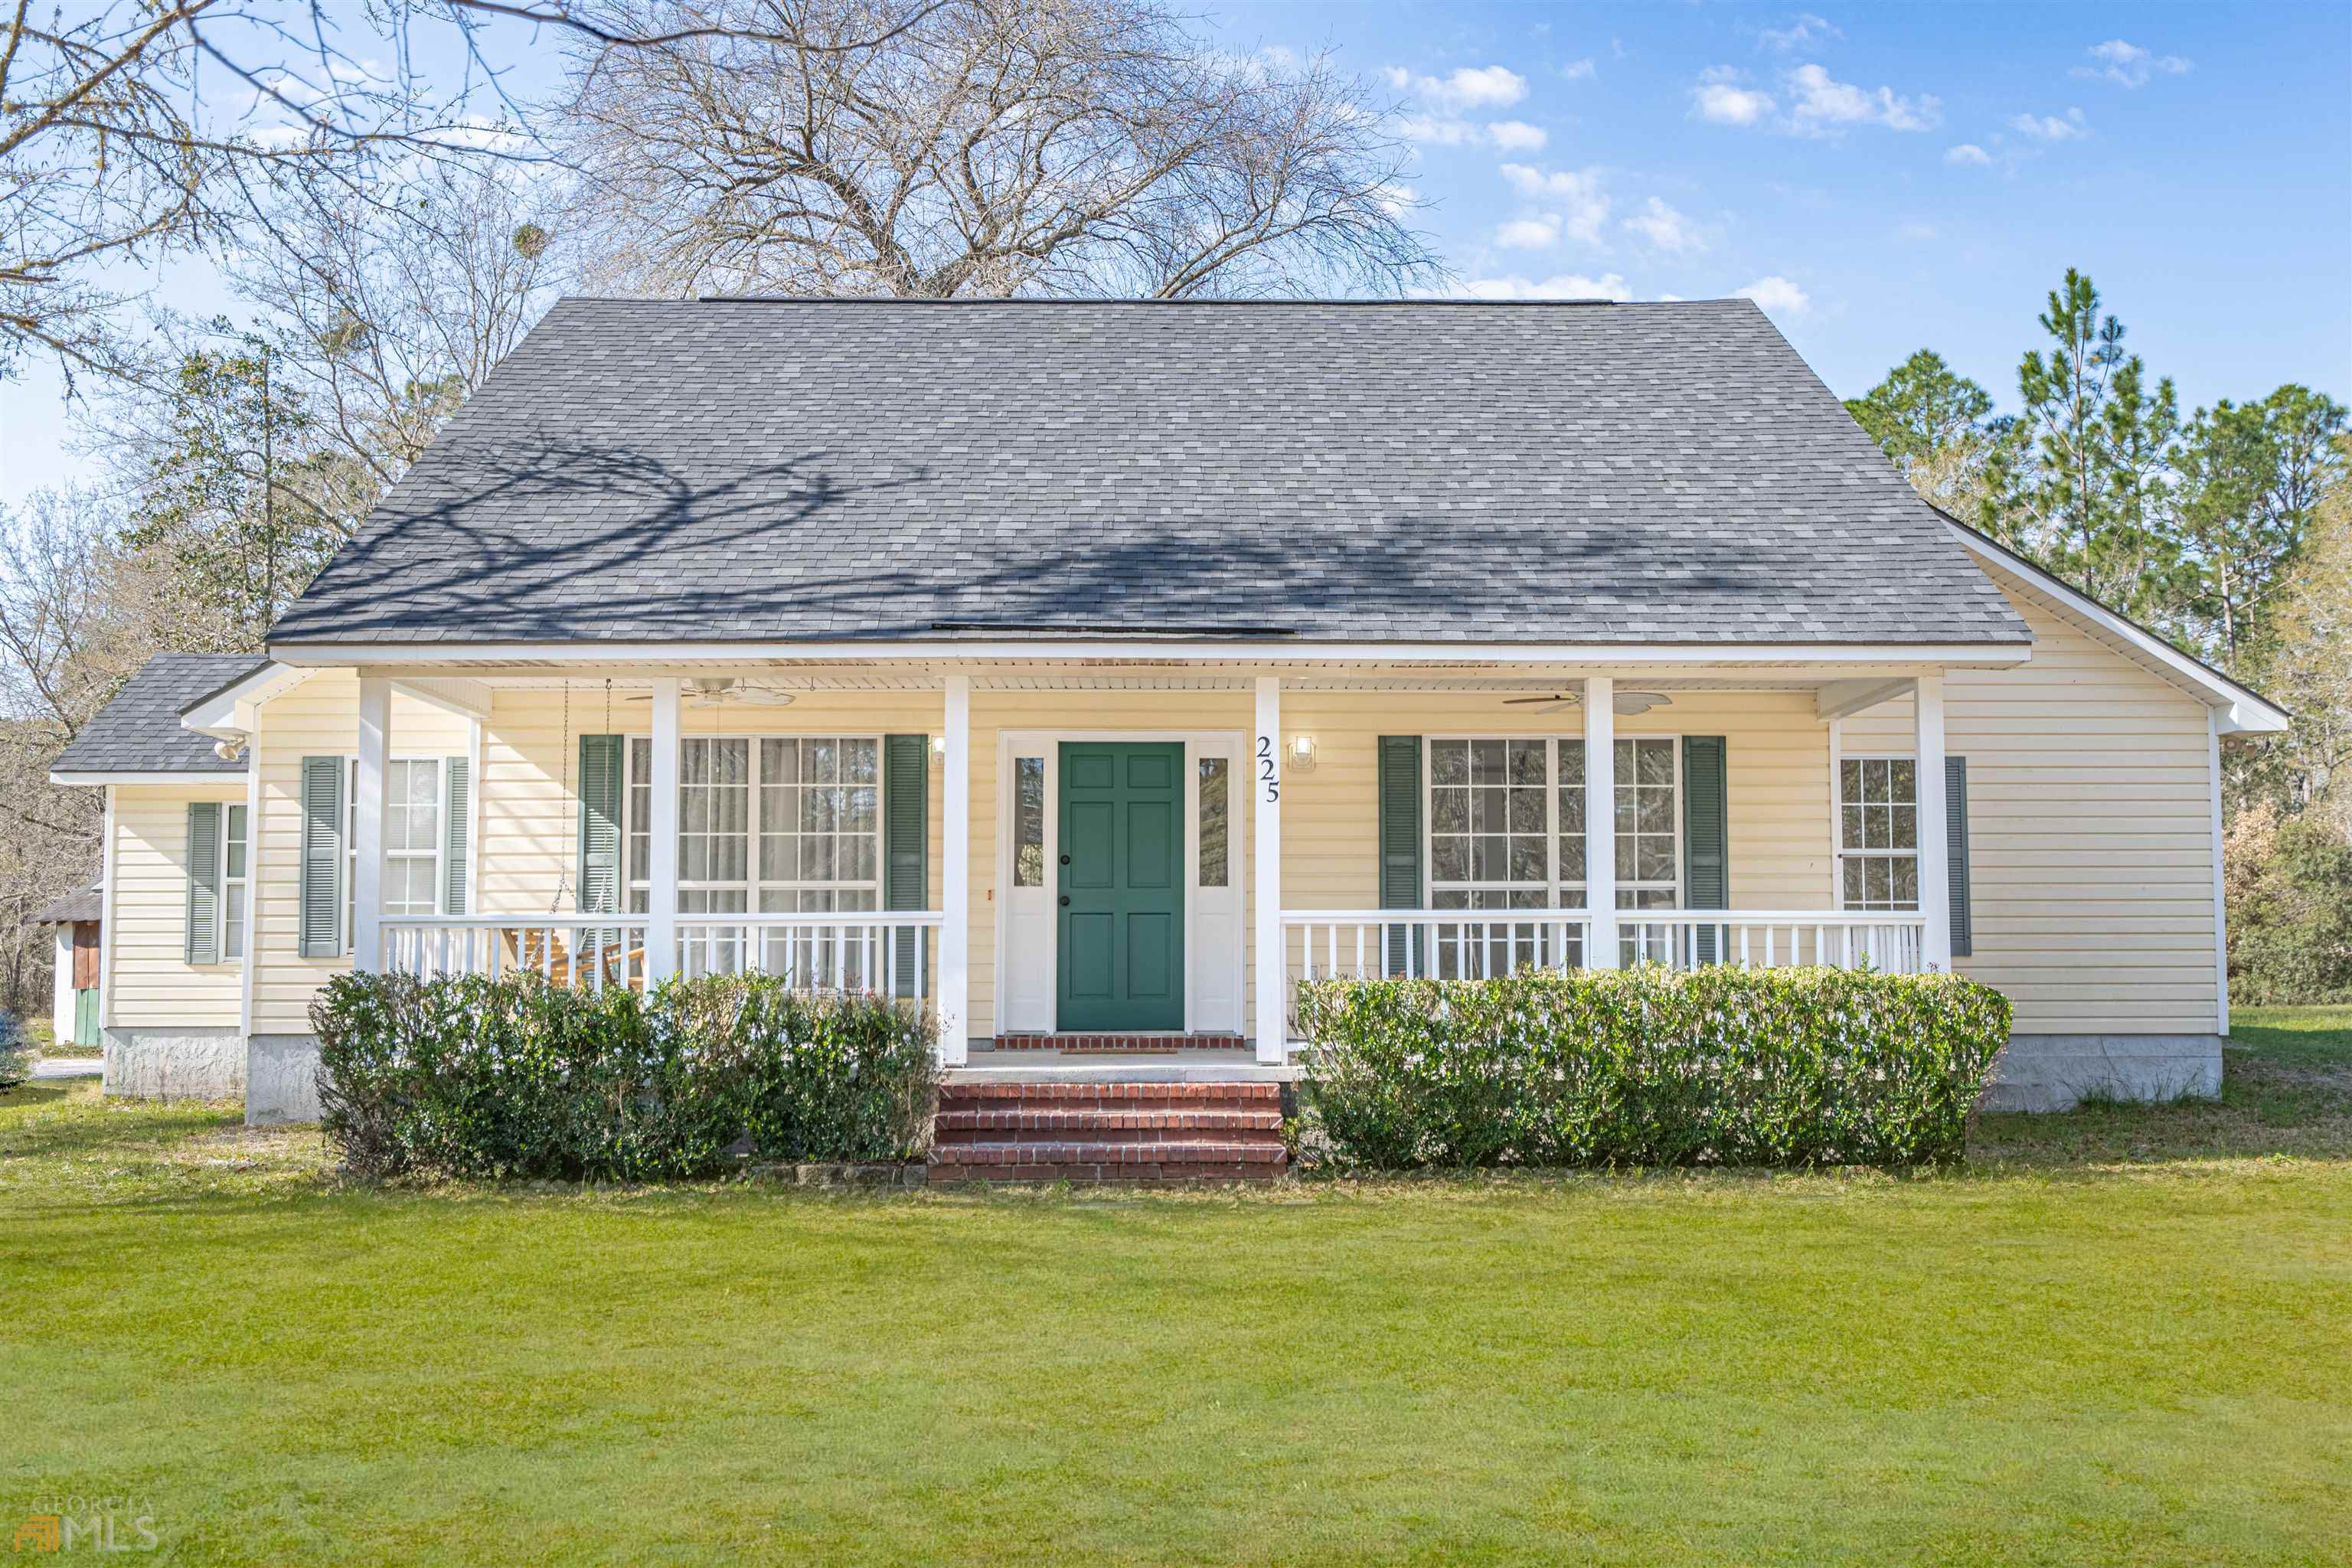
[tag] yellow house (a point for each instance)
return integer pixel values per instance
(1093, 672)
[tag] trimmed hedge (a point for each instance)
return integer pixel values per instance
(478, 1077)
(1717, 1066)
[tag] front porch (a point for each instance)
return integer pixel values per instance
(1127, 844)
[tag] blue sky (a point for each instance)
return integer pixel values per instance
(1880, 179)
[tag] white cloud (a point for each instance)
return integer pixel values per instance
(1397, 200)
(1719, 99)
(2128, 64)
(1539, 233)
(2051, 127)
(1440, 104)
(1804, 29)
(1579, 70)
(1438, 131)
(1667, 229)
(1824, 104)
(1572, 199)
(1968, 155)
(1776, 294)
(1820, 105)
(1916, 232)
(1562, 286)
(1481, 87)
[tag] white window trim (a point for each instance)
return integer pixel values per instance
(352, 842)
(1553, 882)
(1840, 854)
(752, 887)
(243, 924)
(436, 854)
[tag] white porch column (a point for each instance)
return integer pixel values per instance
(1601, 819)
(955, 877)
(1273, 1027)
(661, 836)
(367, 826)
(1935, 862)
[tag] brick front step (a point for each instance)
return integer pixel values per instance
(1041, 1093)
(1159, 1042)
(1056, 1131)
(1137, 1122)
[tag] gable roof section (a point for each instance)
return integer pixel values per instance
(2243, 710)
(83, 904)
(885, 470)
(138, 731)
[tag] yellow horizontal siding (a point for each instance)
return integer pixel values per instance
(154, 986)
(320, 716)
(2090, 826)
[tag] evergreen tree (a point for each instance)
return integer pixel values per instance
(1935, 425)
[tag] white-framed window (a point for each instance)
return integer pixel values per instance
(1508, 831)
(1649, 840)
(413, 842)
(234, 881)
(411, 836)
(774, 823)
(1878, 833)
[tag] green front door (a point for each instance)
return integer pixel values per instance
(1121, 889)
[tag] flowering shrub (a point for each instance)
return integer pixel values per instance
(513, 1076)
(1719, 1066)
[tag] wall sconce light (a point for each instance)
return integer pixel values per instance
(1301, 756)
(939, 749)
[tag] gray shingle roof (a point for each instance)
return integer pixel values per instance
(779, 470)
(139, 731)
(84, 904)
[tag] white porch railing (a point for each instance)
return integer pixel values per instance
(1451, 944)
(1839, 939)
(589, 951)
(891, 954)
(1446, 944)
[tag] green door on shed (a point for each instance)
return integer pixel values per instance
(1121, 905)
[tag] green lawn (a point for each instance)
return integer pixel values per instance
(2119, 1336)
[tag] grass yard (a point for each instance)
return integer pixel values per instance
(2121, 1336)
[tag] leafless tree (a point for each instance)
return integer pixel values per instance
(130, 129)
(388, 302)
(992, 147)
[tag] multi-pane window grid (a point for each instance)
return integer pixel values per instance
(412, 837)
(1502, 835)
(1649, 843)
(818, 848)
(234, 846)
(1508, 831)
(1878, 833)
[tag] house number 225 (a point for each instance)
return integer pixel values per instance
(1266, 767)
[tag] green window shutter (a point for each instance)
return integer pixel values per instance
(907, 844)
(323, 857)
(204, 932)
(1401, 840)
(1705, 832)
(600, 823)
(457, 813)
(1956, 853)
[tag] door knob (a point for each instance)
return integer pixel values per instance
(1065, 859)
(1066, 900)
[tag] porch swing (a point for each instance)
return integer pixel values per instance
(607, 960)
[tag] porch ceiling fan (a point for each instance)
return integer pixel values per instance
(727, 691)
(1625, 702)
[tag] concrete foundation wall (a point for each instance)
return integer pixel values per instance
(2055, 1072)
(281, 1079)
(175, 1064)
